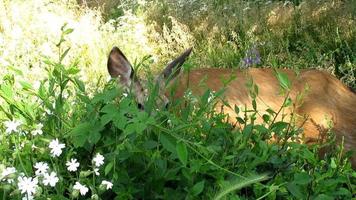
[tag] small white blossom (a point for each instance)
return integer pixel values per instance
(38, 130)
(96, 171)
(49, 112)
(39, 126)
(28, 197)
(107, 184)
(33, 147)
(98, 160)
(11, 126)
(72, 165)
(7, 171)
(41, 167)
(82, 188)
(27, 185)
(56, 147)
(50, 179)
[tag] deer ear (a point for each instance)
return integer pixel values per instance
(119, 66)
(173, 68)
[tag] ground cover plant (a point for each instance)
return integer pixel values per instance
(67, 132)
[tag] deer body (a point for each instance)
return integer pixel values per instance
(325, 100)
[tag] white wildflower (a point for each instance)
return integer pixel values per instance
(41, 167)
(50, 179)
(107, 184)
(7, 171)
(33, 147)
(72, 165)
(28, 197)
(98, 160)
(11, 126)
(48, 111)
(96, 171)
(82, 188)
(56, 147)
(38, 130)
(27, 185)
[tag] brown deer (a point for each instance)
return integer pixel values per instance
(325, 100)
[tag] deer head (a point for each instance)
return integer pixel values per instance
(121, 69)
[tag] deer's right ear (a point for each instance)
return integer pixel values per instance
(173, 68)
(120, 67)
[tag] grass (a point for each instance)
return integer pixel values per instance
(54, 54)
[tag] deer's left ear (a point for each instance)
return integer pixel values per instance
(119, 66)
(173, 68)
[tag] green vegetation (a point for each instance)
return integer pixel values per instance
(56, 105)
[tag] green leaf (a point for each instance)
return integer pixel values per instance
(150, 144)
(6, 92)
(140, 127)
(333, 163)
(279, 126)
(17, 71)
(240, 120)
(302, 178)
(105, 119)
(168, 143)
(108, 168)
(237, 110)
(182, 152)
(110, 109)
(73, 70)
(283, 80)
(294, 189)
(204, 98)
(80, 84)
(271, 112)
(130, 129)
(254, 104)
(94, 137)
(80, 134)
(240, 183)
(64, 54)
(68, 31)
(42, 92)
(25, 85)
(198, 188)
(288, 102)
(266, 118)
(323, 197)
(120, 121)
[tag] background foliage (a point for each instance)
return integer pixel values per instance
(53, 58)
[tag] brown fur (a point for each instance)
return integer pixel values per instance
(326, 99)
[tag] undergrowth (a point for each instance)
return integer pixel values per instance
(68, 133)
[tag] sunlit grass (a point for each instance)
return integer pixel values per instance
(30, 31)
(60, 115)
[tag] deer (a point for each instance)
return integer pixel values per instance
(325, 101)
